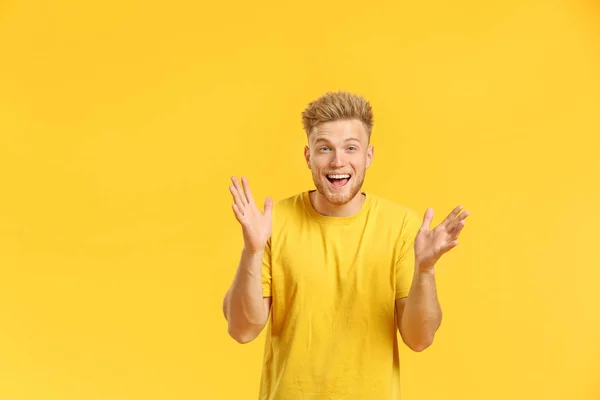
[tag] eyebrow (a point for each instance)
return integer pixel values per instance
(351, 139)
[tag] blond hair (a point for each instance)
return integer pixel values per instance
(333, 106)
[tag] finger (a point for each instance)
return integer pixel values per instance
(448, 246)
(447, 221)
(236, 198)
(456, 231)
(247, 190)
(457, 221)
(268, 206)
(427, 218)
(238, 187)
(238, 213)
(464, 214)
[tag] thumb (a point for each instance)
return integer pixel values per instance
(268, 206)
(427, 219)
(448, 246)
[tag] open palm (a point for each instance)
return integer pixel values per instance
(431, 244)
(256, 225)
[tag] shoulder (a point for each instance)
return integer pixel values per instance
(290, 201)
(289, 204)
(288, 217)
(391, 208)
(289, 208)
(392, 212)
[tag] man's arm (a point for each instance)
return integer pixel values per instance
(419, 315)
(244, 306)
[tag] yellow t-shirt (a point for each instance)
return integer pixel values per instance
(332, 332)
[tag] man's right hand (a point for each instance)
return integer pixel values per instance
(256, 225)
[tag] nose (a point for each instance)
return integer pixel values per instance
(338, 159)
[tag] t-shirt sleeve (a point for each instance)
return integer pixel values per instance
(405, 264)
(266, 270)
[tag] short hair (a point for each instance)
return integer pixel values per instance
(340, 105)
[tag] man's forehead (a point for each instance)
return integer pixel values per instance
(339, 130)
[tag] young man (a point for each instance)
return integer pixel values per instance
(340, 271)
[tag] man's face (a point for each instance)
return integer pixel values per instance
(338, 155)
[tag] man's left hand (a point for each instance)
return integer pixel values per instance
(431, 244)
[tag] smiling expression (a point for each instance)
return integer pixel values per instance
(338, 155)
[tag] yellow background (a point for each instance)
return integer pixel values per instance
(122, 121)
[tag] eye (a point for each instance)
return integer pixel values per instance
(351, 148)
(323, 148)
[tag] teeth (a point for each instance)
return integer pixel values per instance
(339, 176)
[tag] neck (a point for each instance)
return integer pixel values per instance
(324, 207)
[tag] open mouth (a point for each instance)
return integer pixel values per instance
(338, 180)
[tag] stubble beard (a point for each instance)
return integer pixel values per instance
(337, 198)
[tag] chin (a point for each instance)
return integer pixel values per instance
(338, 199)
(338, 196)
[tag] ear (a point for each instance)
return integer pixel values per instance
(307, 156)
(370, 154)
